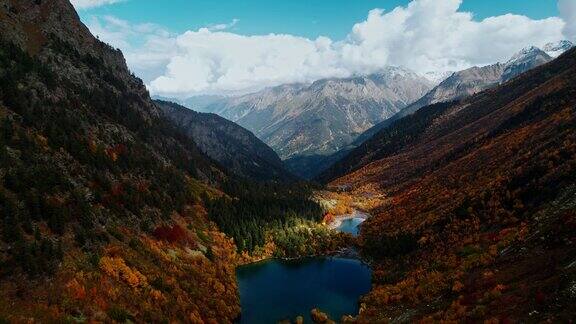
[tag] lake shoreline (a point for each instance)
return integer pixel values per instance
(349, 252)
(343, 253)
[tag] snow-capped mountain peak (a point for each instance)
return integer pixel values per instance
(558, 48)
(526, 54)
(437, 77)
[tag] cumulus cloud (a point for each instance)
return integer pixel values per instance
(568, 14)
(434, 35)
(425, 35)
(226, 62)
(87, 4)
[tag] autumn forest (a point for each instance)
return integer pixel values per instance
(112, 211)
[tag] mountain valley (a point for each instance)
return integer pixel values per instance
(324, 117)
(435, 197)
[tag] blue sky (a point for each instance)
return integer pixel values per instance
(308, 18)
(182, 48)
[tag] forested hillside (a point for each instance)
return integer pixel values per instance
(478, 224)
(102, 199)
(399, 135)
(258, 214)
(99, 194)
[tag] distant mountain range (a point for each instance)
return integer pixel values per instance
(302, 121)
(311, 126)
(199, 103)
(325, 116)
(476, 79)
(236, 148)
(403, 131)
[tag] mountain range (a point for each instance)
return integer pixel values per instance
(313, 126)
(476, 79)
(325, 116)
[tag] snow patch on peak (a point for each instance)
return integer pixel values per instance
(396, 71)
(437, 77)
(526, 53)
(558, 48)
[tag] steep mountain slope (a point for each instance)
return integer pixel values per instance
(311, 166)
(234, 147)
(323, 117)
(100, 196)
(523, 61)
(476, 79)
(479, 220)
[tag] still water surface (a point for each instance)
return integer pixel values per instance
(351, 225)
(275, 290)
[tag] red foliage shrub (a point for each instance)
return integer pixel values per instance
(171, 234)
(569, 219)
(540, 297)
(328, 218)
(117, 189)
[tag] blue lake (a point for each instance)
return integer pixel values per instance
(274, 290)
(351, 225)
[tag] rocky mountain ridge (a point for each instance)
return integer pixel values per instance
(325, 116)
(236, 148)
(465, 83)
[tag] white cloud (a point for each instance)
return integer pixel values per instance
(568, 14)
(87, 4)
(434, 35)
(220, 27)
(227, 62)
(426, 35)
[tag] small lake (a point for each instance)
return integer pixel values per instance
(274, 290)
(350, 223)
